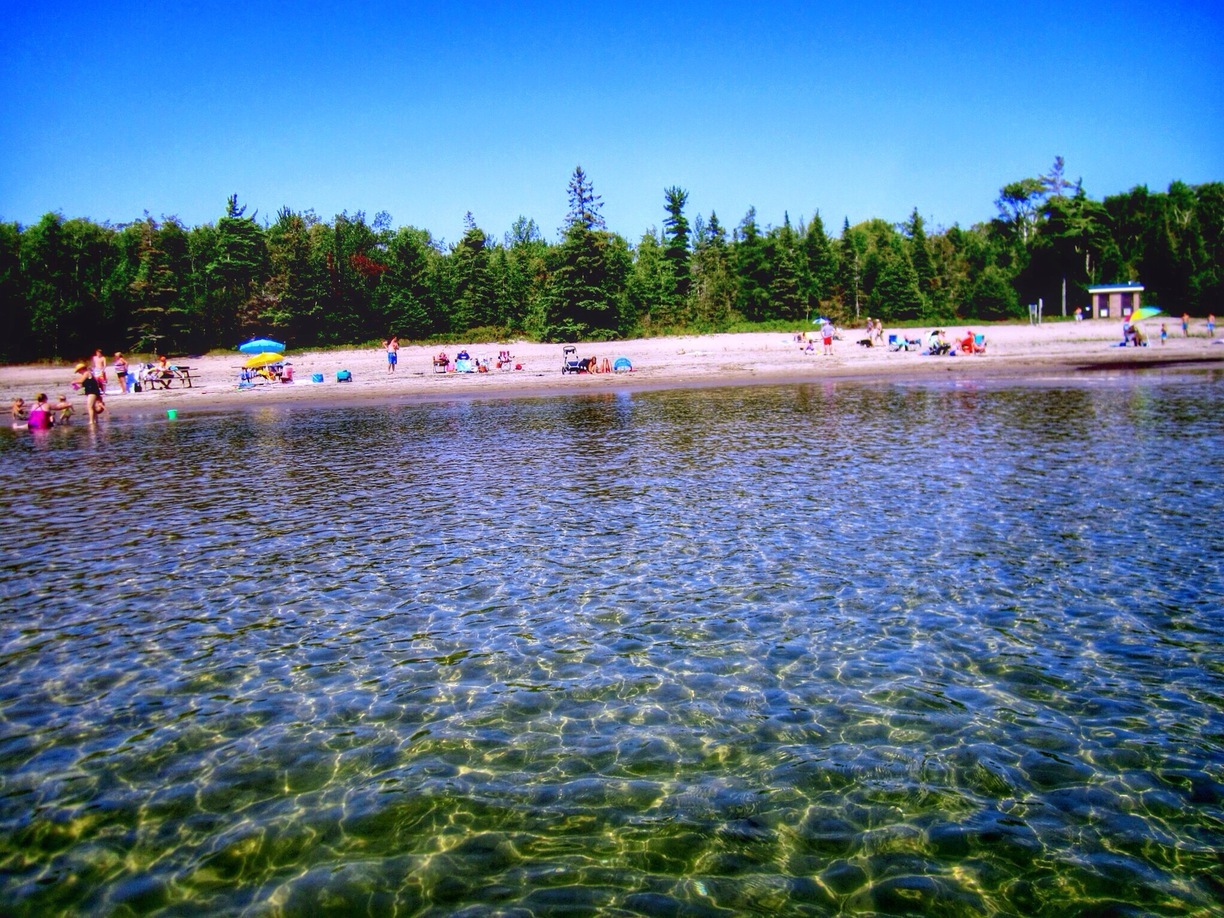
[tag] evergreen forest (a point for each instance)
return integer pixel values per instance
(157, 286)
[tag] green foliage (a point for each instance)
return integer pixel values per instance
(676, 233)
(715, 286)
(752, 269)
(785, 291)
(651, 286)
(819, 266)
(587, 284)
(993, 297)
(15, 316)
(69, 285)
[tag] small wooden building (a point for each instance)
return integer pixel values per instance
(1115, 301)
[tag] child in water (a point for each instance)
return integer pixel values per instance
(63, 408)
(19, 412)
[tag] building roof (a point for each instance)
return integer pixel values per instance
(1124, 287)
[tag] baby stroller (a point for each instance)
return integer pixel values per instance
(570, 362)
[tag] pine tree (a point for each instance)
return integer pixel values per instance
(850, 270)
(714, 284)
(676, 236)
(752, 269)
(589, 271)
(585, 204)
(819, 265)
(920, 256)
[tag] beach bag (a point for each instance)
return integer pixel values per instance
(316, 377)
(137, 387)
(344, 376)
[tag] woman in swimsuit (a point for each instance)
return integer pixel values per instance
(40, 415)
(93, 396)
(121, 369)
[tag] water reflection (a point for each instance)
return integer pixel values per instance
(935, 647)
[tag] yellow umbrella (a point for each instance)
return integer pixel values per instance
(262, 360)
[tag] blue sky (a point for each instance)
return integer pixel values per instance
(431, 110)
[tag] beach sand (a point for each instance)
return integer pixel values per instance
(1050, 350)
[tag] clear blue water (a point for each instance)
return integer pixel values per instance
(932, 647)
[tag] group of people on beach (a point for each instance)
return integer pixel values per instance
(466, 363)
(42, 415)
(89, 378)
(828, 332)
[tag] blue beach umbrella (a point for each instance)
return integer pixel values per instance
(262, 346)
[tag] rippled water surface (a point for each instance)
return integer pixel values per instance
(937, 648)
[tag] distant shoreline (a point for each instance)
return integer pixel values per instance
(1015, 351)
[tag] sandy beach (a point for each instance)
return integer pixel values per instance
(1047, 350)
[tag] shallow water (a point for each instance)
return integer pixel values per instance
(886, 648)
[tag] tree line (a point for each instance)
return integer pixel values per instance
(70, 285)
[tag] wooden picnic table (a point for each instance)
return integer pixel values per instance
(153, 378)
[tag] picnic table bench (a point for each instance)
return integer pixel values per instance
(153, 378)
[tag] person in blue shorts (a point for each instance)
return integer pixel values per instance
(392, 353)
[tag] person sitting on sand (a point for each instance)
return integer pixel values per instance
(937, 344)
(64, 409)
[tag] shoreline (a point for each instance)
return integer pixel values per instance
(703, 361)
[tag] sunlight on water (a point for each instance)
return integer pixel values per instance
(946, 648)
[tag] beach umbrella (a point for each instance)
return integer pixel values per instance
(263, 360)
(262, 346)
(1145, 312)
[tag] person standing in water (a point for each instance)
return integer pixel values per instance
(94, 405)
